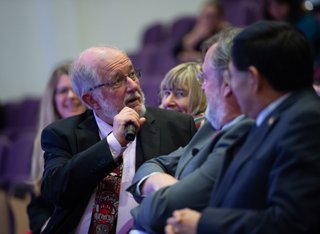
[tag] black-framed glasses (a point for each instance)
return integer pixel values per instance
(119, 80)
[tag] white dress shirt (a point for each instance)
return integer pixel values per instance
(126, 201)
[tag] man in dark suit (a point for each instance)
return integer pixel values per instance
(272, 184)
(193, 170)
(82, 151)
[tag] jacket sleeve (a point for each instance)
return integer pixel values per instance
(69, 178)
(163, 164)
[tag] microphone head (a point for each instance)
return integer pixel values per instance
(130, 136)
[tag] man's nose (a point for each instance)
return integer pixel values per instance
(132, 84)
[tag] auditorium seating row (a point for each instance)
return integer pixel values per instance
(155, 55)
(17, 132)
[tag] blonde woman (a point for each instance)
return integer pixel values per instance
(181, 91)
(58, 101)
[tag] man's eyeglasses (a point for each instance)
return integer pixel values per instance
(119, 80)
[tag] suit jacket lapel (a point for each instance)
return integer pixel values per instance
(149, 134)
(230, 152)
(255, 139)
(87, 134)
(204, 151)
(234, 161)
(251, 144)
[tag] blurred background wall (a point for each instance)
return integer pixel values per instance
(36, 35)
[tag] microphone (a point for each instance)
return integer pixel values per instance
(130, 131)
(194, 151)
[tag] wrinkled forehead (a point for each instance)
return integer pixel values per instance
(114, 63)
(108, 61)
(115, 60)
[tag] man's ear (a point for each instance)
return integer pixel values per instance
(256, 80)
(90, 101)
(226, 84)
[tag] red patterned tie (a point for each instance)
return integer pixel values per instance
(105, 210)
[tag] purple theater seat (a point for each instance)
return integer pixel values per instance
(164, 59)
(150, 87)
(29, 109)
(18, 161)
(134, 57)
(20, 117)
(155, 58)
(181, 26)
(11, 118)
(5, 144)
(155, 34)
(243, 13)
(146, 59)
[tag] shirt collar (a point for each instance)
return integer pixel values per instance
(104, 128)
(232, 122)
(271, 107)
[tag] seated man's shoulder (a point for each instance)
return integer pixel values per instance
(72, 121)
(243, 125)
(157, 112)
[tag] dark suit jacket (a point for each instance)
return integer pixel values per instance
(197, 171)
(178, 158)
(39, 211)
(273, 183)
(76, 160)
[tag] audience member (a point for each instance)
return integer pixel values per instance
(244, 12)
(192, 172)
(181, 91)
(58, 101)
(88, 160)
(210, 21)
(272, 183)
(294, 12)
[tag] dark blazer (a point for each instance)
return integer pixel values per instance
(178, 158)
(197, 170)
(76, 160)
(39, 211)
(273, 183)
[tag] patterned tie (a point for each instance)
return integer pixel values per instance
(105, 210)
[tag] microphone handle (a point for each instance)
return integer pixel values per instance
(130, 132)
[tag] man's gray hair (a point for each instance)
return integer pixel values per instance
(84, 73)
(222, 55)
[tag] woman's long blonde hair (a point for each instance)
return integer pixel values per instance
(48, 114)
